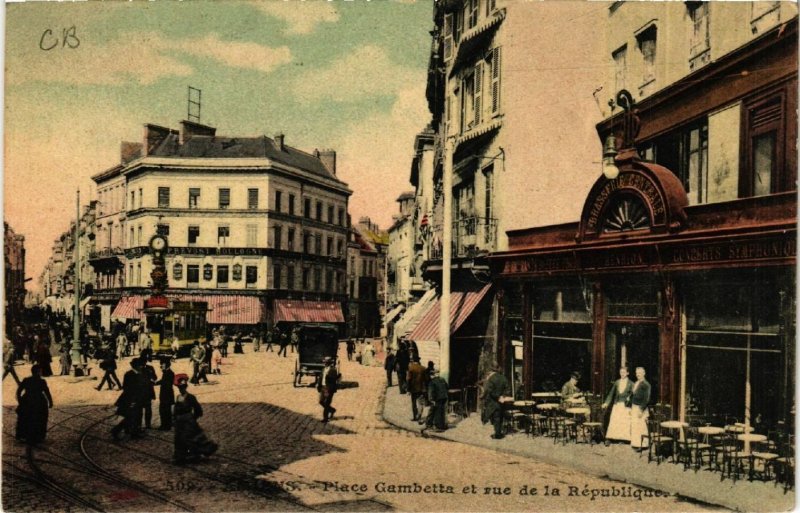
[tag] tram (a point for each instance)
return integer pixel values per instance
(170, 320)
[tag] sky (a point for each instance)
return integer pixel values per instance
(83, 77)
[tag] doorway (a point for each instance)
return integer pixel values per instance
(634, 344)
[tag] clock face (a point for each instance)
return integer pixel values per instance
(158, 243)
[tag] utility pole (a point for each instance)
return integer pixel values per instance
(76, 316)
(447, 257)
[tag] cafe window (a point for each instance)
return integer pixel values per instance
(251, 276)
(222, 276)
(224, 198)
(163, 197)
(736, 347)
(765, 170)
(562, 334)
(192, 276)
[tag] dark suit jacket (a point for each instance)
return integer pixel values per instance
(641, 394)
(496, 386)
(614, 396)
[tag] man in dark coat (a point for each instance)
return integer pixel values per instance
(402, 366)
(327, 386)
(437, 395)
(496, 386)
(351, 348)
(197, 356)
(416, 385)
(130, 402)
(388, 365)
(166, 395)
(109, 365)
(150, 378)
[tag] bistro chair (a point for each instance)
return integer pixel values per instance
(764, 455)
(562, 429)
(784, 464)
(657, 441)
(692, 448)
(592, 429)
(734, 458)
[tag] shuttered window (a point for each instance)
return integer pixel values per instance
(252, 198)
(495, 70)
(478, 76)
(163, 197)
(448, 37)
(224, 198)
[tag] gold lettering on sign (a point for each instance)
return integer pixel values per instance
(634, 181)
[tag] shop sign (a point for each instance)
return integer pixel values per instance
(731, 251)
(542, 264)
(156, 302)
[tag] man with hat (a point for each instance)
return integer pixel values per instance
(437, 396)
(130, 404)
(496, 387)
(327, 388)
(166, 394)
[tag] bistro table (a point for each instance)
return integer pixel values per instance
(545, 395)
(579, 411)
(548, 406)
(749, 438)
(739, 428)
(707, 431)
(675, 425)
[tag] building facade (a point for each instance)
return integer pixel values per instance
(14, 284)
(683, 263)
(251, 223)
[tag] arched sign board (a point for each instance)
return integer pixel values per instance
(645, 198)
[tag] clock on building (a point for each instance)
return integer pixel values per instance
(158, 243)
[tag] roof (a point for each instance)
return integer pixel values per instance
(405, 196)
(201, 146)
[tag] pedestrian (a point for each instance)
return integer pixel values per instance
(35, 401)
(122, 345)
(9, 354)
(43, 358)
(216, 361)
(150, 378)
(283, 342)
(130, 402)
(495, 387)
(197, 357)
(176, 347)
(108, 364)
(205, 370)
(327, 386)
(256, 337)
(367, 354)
(640, 398)
(351, 348)
(295, 339)
(64, 359)
(269, 336)
(389, 366)
(437, 396)
(191, 442)
(237, 343)
(416, 386)
(223, 345)
(619, 398)
(166, 395)
(402, 366)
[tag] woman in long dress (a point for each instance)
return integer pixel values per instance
(619, 397)
(190, 440)
(639, 415)
(34, 400)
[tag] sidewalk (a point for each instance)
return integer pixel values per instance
(617, 462)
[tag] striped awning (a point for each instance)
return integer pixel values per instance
(223, 309)
(290, 310)
(461, 306)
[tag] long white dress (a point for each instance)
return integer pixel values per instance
(638, 424)
(619, 424)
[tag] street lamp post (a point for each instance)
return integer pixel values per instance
(447, 256)
(76, 315)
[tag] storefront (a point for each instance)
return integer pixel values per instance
(702, 297)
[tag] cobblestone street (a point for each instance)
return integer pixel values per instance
(276, 455)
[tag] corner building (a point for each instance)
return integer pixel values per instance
(685, 262)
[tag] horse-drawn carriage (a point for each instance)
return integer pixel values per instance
(315, 342)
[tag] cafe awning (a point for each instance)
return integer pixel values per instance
(223, 309)
(290, 310)
(129, 307)
(462, 304)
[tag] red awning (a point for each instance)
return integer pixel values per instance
(129, 307)
(290, 310)
(461, 306)
(223, 309)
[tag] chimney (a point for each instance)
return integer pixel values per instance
(154, 135)
(279, 140)
(328, 159)
(190, 129)
(129, 151)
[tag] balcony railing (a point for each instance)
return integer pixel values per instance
(105, 253)
(472, 236)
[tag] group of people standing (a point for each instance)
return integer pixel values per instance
(629, 413)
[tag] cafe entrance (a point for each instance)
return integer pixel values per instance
(631, 345)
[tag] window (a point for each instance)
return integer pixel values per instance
(329, 246)
(277, 237)
(468, 102)
(491, 5)
(139, 235)
(647, 45)
(192, 276)
(290, 277)
(132, 241)
(488, 208)
(290, 239)
(177, 271)
(493, 65)
(363, 268)
(252, 199)
(700, 41)
(194, 234)
(330, 214)
(305, 279)
(319, 211)
(448, 37)
(223, 234)
(163, 197)
(237, 272)
(317, 279)
(278, 198)
(276, 276)
(250, 276)
(291, 204)
(222, 276)
(318, 244)
(329, 281)
(471, 13)
(306, 242)
(307, 208)
(133, 199)
(764, 144)
(162, 229)
(341, 217)
(765, 15)
(252, 235)
(194, 197)
(620, 67)
(141, 198)
(139, 274)
(340, 248)
(224, 198)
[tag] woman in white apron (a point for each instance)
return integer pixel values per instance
(639, 401)
(619, 398)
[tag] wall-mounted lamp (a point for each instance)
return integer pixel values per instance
(610, 169)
